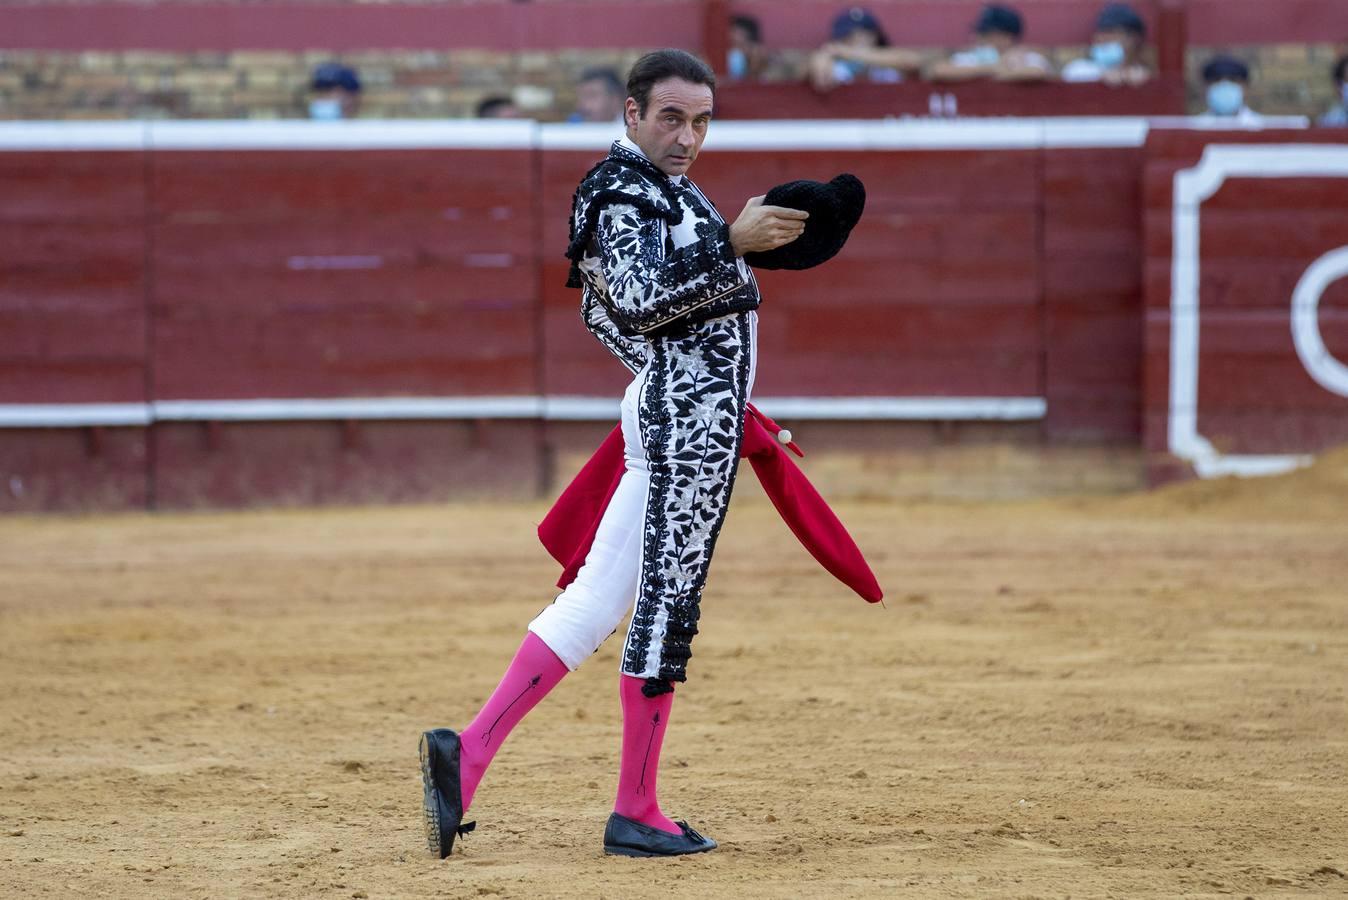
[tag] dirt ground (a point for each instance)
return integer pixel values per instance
(1130, 696)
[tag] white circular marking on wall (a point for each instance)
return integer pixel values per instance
(1322, 365)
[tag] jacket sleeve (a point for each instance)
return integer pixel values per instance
(650, 289)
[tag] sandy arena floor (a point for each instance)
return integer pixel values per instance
(1140, 696)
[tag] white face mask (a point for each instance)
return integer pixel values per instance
(325, 109)
(1109, 55)
(1225, 98)
(986, 55)
(737, 63)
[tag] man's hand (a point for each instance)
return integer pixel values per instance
(760, 227)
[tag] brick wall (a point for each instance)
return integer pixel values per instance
(1287, 79)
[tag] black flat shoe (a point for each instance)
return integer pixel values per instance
(443, 798)
(626, 837)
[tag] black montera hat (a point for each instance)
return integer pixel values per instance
(834, 209)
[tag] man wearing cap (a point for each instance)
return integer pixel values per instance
(1227, 79)
(997, 52)
(334, 92)
(1337, 117)
(666, 289)
(859, 50)
(1116, 50)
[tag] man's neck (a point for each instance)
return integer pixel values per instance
(628, 144)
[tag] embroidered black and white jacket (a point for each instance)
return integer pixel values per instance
(664, 291)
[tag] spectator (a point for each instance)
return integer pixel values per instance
(1116, 50)
(1227, 79)
(498, 108)
(859, 50)
(600, 95)
(746, 58)
(1338, 116)
(334, 92)
(997, 52)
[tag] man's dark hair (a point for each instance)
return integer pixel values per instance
(488, 107)
(604, 74)
(662, 64)
(750, 25)
(1341, 70)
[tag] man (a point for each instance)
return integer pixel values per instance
(1338, 116)
(666, 290)
(747, 58)
(859, 50)
(599, 97)
(1116, 50)
(1227, 80)
(997, 52)
(334, 92)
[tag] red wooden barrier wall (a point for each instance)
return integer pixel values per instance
(1014, 272)
(1274, 204)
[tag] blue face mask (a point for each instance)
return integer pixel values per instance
(737, 63)
(1343, 91)
(1108, 56)
(1225, 98)
(325, 109)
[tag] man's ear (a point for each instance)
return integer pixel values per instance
(631, 113)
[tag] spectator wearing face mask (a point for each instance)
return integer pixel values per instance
(746, 59)
(1116, 50)
(996, 53)
(859, 50)
(1227, 79)
(334, 92)
(1338, 116)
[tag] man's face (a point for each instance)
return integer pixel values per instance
(675, 125)
(596, 103)
(861, 39)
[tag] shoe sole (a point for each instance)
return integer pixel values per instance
(632, 851)
(432, 803)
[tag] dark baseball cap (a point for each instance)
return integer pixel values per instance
(856, 19)
(997, 18)
(1225, 68)
(1120, 17)
(335, 75)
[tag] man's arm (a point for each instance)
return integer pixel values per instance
(649, 289)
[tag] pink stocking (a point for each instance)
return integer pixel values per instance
(532, 674)
(644, 722)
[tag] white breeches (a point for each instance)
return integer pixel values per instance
(605, 590)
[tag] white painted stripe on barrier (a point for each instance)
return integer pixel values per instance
(559, 408)
(73, 415)
(29, 136)
(358, 134)
(469, 134)
(905, 408)
(277, 410)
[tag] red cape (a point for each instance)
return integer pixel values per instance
(569, 528)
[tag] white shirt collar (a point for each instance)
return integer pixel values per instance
(628, 144)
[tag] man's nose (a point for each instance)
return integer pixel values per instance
(686, 135)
